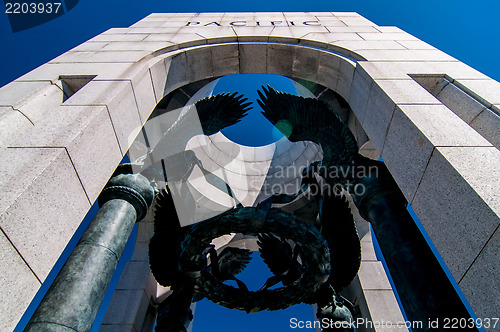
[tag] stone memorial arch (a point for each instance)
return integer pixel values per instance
(67, 124)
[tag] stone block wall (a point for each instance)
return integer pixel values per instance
(58, 149)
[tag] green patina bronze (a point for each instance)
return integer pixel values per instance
(170, 160)
(425, 290)
(328, 247)
(313, 259)
(73, 300)
(178, 258)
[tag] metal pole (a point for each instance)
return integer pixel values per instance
(73, 300)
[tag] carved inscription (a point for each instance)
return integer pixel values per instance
(253, 23)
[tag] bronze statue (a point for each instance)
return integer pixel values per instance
(170, 157)
(184, 259)
(313, 259)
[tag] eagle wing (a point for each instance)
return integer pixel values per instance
(233, 260)
(164, 246)
(309, 119)
(221, 111)
(339, 230)
(276, 253)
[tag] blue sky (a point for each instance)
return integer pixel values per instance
(244, 132)
(467, 30)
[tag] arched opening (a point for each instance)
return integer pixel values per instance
(279, 59)
(339, 81)
(193, 92)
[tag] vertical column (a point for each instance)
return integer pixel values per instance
(73, 300)
(132, 307)
(425, 291)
